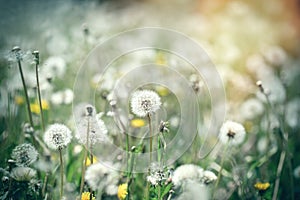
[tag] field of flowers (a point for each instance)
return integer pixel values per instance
(152, 100)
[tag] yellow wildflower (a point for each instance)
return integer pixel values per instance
(19, 100)
(88, 161)
(262, 186)
(35, 107)
(86, 196)
(162, 91)
(160, 59)
(122, 191)
(137, 123)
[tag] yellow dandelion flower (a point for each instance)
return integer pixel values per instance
(162, 91)
(19, 100)
(262, 186)
(122, 191)
(160, 59)
(137, 123)
(86, 196)
(88, 161)
(35, 107)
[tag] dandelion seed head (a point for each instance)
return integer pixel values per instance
(96, 126)
(232, 132)
(54, 67)
(99, 175)
(24, 154)
(187, 172)
(251, 108)
(23, 173)
(57, 136)
(144, 102)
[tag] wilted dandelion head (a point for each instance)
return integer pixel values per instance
(232, 132)
(187, 172)
(24, 154)
(23, 173)
(122, 191)
(95, 125)
(144, 102)
(57, 136)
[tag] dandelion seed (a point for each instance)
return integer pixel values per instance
(232, 132)
(23, 173)
(122, 191)
(57, 136)
(208, 177)
(187, 172)
(144, 102)
(24, 154)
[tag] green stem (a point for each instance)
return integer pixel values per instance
(85, 156)
(26, 94)
(222, 165)
(39, 95)
(150, 136)
(61, 174)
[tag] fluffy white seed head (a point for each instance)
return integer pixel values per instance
(57, 136)
(93, 123)
(24, 154)
(232, 132)
(144, 102)
(187, 172)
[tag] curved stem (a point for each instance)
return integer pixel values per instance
(26, 94)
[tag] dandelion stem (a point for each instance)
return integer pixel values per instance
(37, 61)
(45, 185)
(222, 165)
(61, 173)
(278, 174)
(17, 49)
(150, 136)
(85, 156)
